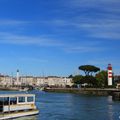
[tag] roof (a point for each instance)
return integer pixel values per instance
(16, 95)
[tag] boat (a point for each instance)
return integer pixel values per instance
(40, 88)
(17, 105)
(23, 89)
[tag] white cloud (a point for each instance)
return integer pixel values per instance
(5, 22)
(99, 19)
(107, 5)
(25, 59)
(84, 47)
(9, 38)
(95, 28)
(69, 47)
(38, 60)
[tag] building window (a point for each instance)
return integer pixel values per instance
(13, 100)
(6, 100)
(30, 99)
(21, 99)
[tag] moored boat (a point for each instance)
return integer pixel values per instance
(17, 105)
(23, 89)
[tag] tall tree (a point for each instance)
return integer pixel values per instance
(70, 76)
(89, 69)
(102, 78)
(77, 79)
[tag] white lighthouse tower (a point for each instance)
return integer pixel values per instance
(17, 77)
(109, 74)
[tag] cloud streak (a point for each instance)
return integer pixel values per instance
(103, 5)
(85, 47)
(38, 60)
(69, 47)
(5, 22)
(99, 19)
(98, 28)
(8, 38)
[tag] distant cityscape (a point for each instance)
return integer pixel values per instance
(7, 81)
(53, 81)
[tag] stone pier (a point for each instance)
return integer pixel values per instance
(116, 96)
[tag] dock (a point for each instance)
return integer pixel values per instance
(19, 88)
(9, 88)
(114, 92)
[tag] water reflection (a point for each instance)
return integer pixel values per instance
(110, 107)
(109, 98)
(110, 112)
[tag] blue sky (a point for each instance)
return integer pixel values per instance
(55, 37)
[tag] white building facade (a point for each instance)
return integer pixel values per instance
(52, 81)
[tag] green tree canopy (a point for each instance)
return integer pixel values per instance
(89, 69)
(90, 80)
(70, 76)
(102, 78)
(77, 79)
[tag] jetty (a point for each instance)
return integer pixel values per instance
(9, 88)
(15, 88)
(88, 91)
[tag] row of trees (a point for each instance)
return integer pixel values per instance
(97, 80)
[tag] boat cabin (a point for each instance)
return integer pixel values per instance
(15, 103)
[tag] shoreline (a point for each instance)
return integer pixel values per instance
(9, 88)
(85, 91)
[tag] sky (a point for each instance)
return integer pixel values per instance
(55, 37)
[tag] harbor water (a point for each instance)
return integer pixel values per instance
(66, 106)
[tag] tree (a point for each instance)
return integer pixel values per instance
(70, 76)
(89, 69)
(102, 78)
(90, 80)
(77, 79)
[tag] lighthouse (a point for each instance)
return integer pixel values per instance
(17, 82)
(109, 68)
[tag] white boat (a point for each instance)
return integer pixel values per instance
(23, 89)
(17, 105)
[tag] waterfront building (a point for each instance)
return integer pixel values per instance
(68, 81)
(1, 79)
(117, 80)
(118, 85)
(5, 80)
(59, 81)
(52, 81)
(26, 80)
(40, 81)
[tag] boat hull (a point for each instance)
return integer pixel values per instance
(18, 114)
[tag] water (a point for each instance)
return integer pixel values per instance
(65, 106)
